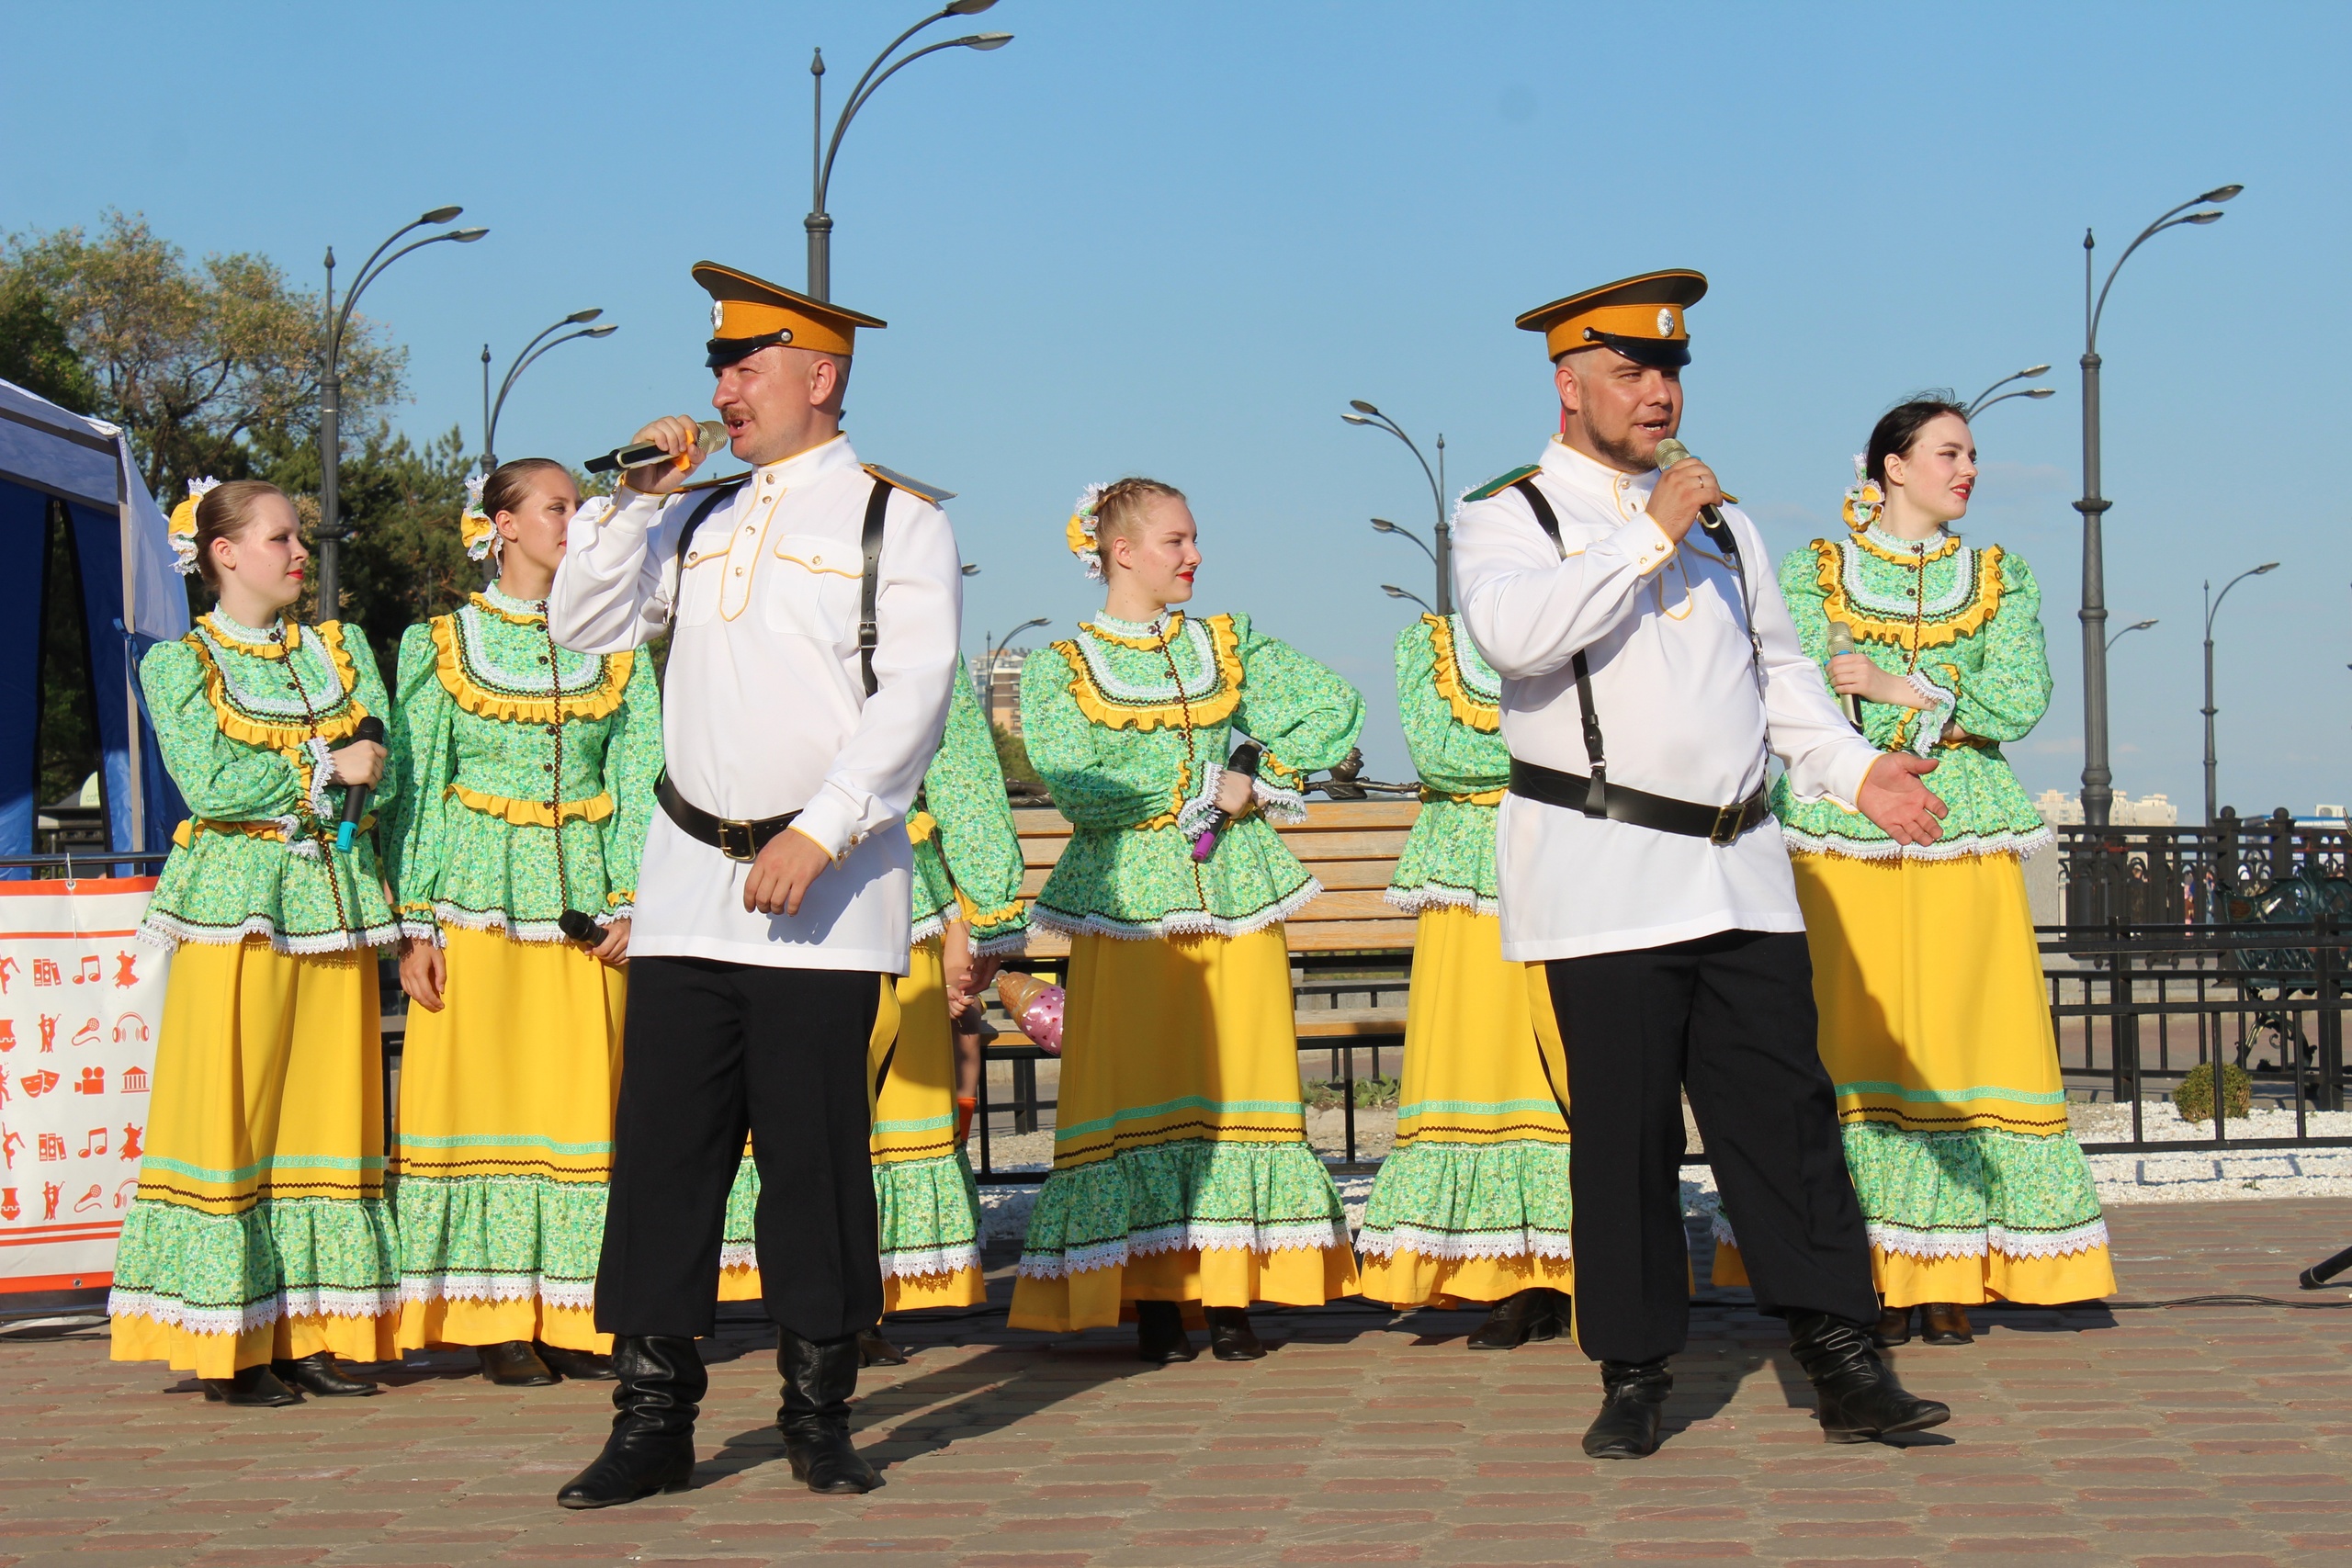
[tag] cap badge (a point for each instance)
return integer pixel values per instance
(717, 314)
(1665, 322)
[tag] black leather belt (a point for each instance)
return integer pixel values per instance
(1718, 825)
(735, 839)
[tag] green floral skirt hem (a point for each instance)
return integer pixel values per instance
(929, 1211)
(281, 1258)
(498, 1238)
(1463, 1200)
(1961, 1194)
(1198, 1194)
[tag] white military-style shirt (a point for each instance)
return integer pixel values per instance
(1683, 710)
(764, 708)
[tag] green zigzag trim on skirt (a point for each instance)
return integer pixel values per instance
(282, 1257)
(930, 1213)
(1960, 1194)
(1462, 1201)
(1199, 1193)
(498, 1238)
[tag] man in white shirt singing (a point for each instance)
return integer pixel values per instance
(814, 608)
(1649, 665)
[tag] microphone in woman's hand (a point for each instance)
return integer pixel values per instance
(1244, 761)
(1841, 640)
(355, 796)
(581, 927)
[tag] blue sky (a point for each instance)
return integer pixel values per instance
(1175, 239)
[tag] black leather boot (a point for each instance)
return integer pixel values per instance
(1231, 1336)
(317, 1373)
(1893, 1327)
(1160, 1338)
(1513, 1321)
(1860, 1398)
(651, 1449)
(1948, 1323)
(1560, 1320)
(873, 1350)
(585, 1365)
(819, 1378)
(514, 1364)
(1633, 1408)
(255, 1385)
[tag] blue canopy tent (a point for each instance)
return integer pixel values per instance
(51, 462)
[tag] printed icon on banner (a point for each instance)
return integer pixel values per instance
(96, 1198)
(128, 1030)
(94, 1135)
(9, 1207)
(7, 972)
(48, 1031)
(40, 1083)
(92, 1081)
(123, 1191)
(50, 1193)
(45, 973)
(9, 1144)
(126, 973)
(130, 1149)
(7, 1033)
(3, 1088)
(52, 1147)
(88, 1034)
(134, 1080)
(91, 972)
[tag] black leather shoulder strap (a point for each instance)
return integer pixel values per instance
(703, 509)
(1596, 797)
(870, 584)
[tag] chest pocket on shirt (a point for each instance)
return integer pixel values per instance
(811, 588)
(699, 576)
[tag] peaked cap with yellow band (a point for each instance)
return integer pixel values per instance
(1641, 318)
(748, 315)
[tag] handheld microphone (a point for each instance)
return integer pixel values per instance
(1841, 640)
(580, 926)
(1711, 518)
(355, 796)
(1244, 761)
(644, 453)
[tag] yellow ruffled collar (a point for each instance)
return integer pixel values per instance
(506, 607)
(1144, 637)
(275, 643)
(1905, 552)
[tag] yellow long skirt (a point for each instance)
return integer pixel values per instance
(1472, 1203)
(260, 1229)
(1935, 1027)
(1182, 1170)
(504, 1145)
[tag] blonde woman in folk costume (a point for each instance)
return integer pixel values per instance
(968, 916)
(531, 772)
(1472, 1204)
(260, 1247)
(1934, 1023)
(1181, 1172)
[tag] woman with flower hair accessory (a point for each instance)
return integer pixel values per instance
(1182, 1179)
(260, 1247)
(532, 772)
(1935, 1026)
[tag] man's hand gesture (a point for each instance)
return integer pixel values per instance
(1893, 796)
(780, 877)
(677, 435)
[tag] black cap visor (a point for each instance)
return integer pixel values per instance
(726, 351)
(1665, 353)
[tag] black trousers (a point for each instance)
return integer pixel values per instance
(707, 1051)
(1729, 1019)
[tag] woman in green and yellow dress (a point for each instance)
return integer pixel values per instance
(1935, 1025)
(968, 916)
(260, 1247)
(1181, 1172)
(1472, 1203)
(531, 774)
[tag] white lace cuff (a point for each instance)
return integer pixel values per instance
(1934, 717)
(1276, 804)
(321, 778)
(1199, 809)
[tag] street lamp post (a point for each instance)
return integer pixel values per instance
(2098, 794)
(1396, 592)
(2134, 626)
(524, 361)
(331, 528)
(820, 222)
(2213, 607)
(1440, 557)
(1985, 400)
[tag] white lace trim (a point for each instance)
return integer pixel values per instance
(1199, 809)
(1192, 634)
(1933, 718)
(1945, 601)
(282, 704)
(579, 1295)
(585, 674)
(1909, 1242)
(1276, 804)
(1009, 944)
(309, 1303)
(1177, 922)
(1437, 895)
(321, 780)
(168, 930)
(1470, 667)
(922, 930)
(2005, 842)
(1204, 1235)
(930, 1262)
(1390, 1240)
(738, 1254)
(501, 922)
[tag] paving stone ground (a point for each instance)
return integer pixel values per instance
(2176, 1438)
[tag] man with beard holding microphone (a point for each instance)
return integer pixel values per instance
(1650, 667)
(815, 606)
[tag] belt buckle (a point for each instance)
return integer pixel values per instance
(735, 841)
(1726, 830)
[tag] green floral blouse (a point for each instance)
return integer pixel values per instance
(967, 855)
(1963, 623)
(501, 733)
(1451, 703)
(245, 720)
(1130, 725)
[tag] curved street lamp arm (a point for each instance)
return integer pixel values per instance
(2169, 220)
(524, 362)
(1436, 495)
(351, 297)
(2250, 571)
(864, 90)
(859, 85)
(359, 281)
(1983, 403)
(1985, 399)
(1408, 534)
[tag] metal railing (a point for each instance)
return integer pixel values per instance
(2188, 875)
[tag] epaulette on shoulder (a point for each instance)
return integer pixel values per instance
(714, 484)
(916, 487)
(1501, 482)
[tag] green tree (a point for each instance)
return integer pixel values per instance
(1013, 757)
(35, 352)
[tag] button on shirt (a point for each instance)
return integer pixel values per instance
(764, 708)
(1683, 711)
